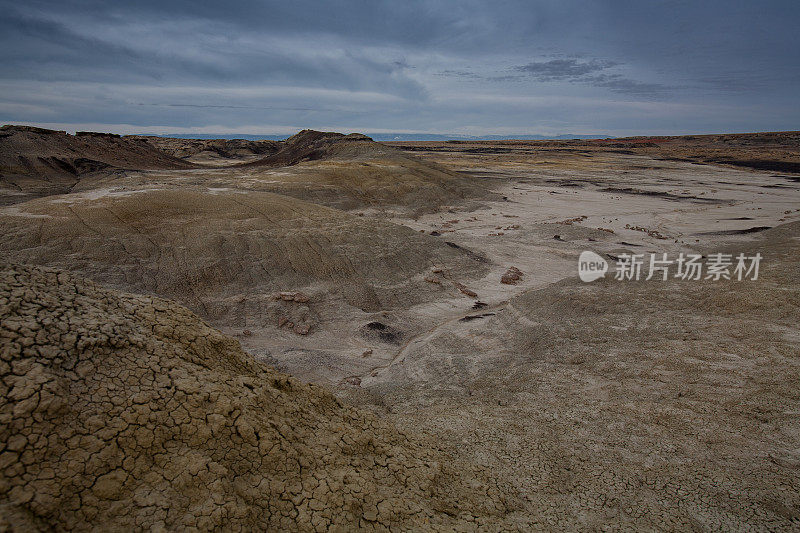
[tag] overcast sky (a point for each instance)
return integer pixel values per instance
(462, 67)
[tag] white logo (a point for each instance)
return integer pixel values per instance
(591, 266)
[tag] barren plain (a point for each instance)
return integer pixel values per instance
(448, 368)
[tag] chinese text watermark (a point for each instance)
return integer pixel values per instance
(685, 266)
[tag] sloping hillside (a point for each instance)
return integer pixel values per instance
(224, 253)
(125, 412)
(37, 162)
(353, 171)
(310, 145)
(212, 151)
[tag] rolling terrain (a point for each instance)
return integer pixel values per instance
(432, 289)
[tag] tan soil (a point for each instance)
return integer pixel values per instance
(128, 412)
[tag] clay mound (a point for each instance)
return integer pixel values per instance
(36, 161)
(26, 150)
(225, 253)
(209, 150)
(122, 411)
(310, 145)
(353, 171)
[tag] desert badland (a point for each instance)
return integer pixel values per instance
(330, 333)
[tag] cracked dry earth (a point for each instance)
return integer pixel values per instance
(627, 406)
(124, 412)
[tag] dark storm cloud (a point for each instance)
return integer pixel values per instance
(432, 65)
(563, 69)
(620, 84)
(460, 74)
(591, 72)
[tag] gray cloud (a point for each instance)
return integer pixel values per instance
(577, 66)
(261, 108)
(465, 74)
(620, 84)
(563, 69)
(592, 73)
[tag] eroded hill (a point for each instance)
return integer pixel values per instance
(342, 171)
(212, 151)
(37, 162)
(225, 253)
(126, 412)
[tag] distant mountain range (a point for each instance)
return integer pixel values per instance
(437, 137)
(399, 137)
